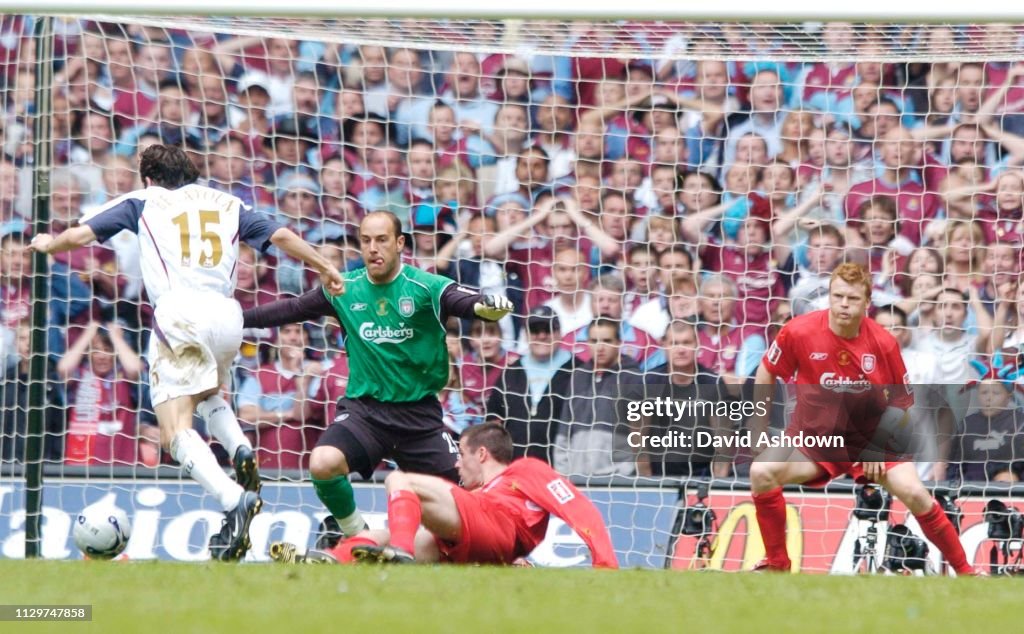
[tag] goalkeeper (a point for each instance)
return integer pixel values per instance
(393, 316)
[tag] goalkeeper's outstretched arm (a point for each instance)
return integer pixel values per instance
(464, 303)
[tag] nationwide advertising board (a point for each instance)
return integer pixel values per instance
(173, 521)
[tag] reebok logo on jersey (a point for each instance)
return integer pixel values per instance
(373, 333)
(819, 356)
(467, 291)
(357, 307)
(560, 491)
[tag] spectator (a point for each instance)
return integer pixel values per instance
(421, 165)
(658, 191)
(298, 202)
(251, 114)
(641, 279)
(15, 291)
(94, 135)
(963, 244)
(102, 372)
(10, 218)
(502, 148)
(231, 168)
(698, 191)
(486, 360)
(385, 187)
(531, 263)
(745, 256)
(464, 259)
(459, 410)
(874, 237)
(730, 347)
(554, 122)
(289, 144)
(529, 393)
(679, 293)
(953, 347)
(572, 301)
(592, 435)
(449, 145)
(133, 98)
(332, 386)
(900, 154)
(842, 169)
(607, 294)
(1000, 266)
(684, 379)
(1008, 323)
(766, 116)
(824, 251)
(15, 388)
(989, 446)
(278, 400)
(929, 394)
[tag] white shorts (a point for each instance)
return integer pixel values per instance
(196, 336)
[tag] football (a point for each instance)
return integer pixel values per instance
(102, 531)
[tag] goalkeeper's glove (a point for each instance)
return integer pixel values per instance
(493, 308)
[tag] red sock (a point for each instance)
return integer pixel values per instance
(771, 519)
(404, 512)
(343, 551)
(939, 531)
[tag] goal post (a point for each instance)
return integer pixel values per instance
(652, 10)
(627, 130)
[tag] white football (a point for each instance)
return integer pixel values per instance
(102, 531)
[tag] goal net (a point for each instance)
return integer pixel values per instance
(693, 183)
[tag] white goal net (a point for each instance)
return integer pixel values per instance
(711, 173)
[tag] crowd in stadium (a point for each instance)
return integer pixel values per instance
(693, 206)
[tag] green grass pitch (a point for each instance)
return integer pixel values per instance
(178, 598)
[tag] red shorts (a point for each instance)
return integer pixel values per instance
(488, 532)
(835, 469)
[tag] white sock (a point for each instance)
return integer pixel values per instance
(222, 424)
(195, 457)
(352, 524)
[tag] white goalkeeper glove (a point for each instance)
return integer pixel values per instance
(493, 308)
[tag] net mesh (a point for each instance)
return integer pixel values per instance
(647, 172)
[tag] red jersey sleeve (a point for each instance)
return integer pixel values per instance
(781, 357)
(901, 394)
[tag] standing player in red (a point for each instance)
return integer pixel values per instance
(499, 516)
(856, 371)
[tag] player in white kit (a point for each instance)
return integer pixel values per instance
(188, 241)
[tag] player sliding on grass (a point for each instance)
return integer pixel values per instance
(394, 319)
(188, 243)
(850, 381)
(499, 517)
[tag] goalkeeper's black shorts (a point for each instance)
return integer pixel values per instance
(412, 434)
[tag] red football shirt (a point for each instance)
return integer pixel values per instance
(843, 385)
(531, 521)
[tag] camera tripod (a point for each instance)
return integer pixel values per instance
(872, 506)
(865, 550)
(1006, 557)
(694, 520)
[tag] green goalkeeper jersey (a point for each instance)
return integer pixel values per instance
(395, 334)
